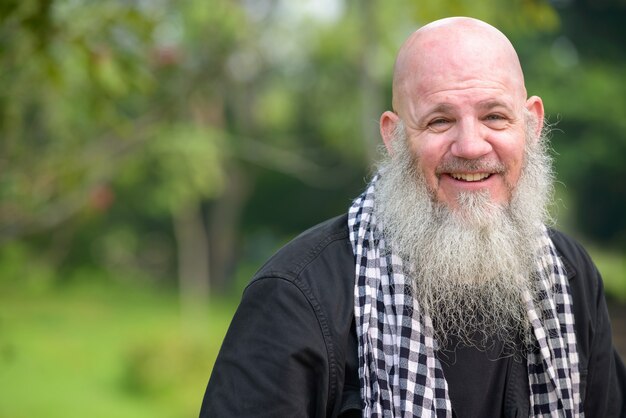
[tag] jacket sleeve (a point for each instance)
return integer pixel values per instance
(603, 376)
(273, 361)
(606, 375)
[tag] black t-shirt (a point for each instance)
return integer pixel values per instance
(479, 380)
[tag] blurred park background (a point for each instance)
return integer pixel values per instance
(153, 153)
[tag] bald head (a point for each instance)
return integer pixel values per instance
(459, 95)
(454, 51)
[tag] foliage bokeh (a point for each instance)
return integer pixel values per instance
(171, 146)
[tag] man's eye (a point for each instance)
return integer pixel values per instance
(496, 121)
(439, 124)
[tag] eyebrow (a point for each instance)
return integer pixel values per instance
(484, 105)
(441, 108)
(444, 108)
(447, 108)
(490, 104)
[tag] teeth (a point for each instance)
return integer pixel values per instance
(470, 176)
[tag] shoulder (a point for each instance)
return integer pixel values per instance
(583, 275)
(573, 254)
(584, 278)
(320, 249)
(320, 264)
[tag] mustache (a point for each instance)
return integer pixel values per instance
(456, 165)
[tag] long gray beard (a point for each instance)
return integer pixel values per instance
(470, 266)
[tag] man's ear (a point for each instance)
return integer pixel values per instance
(535, 106)
(388, 123)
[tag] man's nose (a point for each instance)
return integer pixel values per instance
(471, 141)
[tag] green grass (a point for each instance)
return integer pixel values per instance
(104, 351)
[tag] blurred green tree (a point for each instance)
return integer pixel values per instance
(579, 72)
(149, 138)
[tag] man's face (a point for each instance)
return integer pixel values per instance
(460, 91)
(467, 137)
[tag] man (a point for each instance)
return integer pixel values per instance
(441, 292)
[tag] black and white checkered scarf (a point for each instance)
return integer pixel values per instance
(399, 372)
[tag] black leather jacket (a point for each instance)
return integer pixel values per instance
(291, 348)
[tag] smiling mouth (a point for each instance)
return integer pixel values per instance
(470, 177)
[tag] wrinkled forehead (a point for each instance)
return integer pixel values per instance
(456, 56)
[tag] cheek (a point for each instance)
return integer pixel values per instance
(429, 153)
(427, 157)
(513, 158)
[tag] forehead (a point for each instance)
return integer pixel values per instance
(448, 92)
(453, 59)
(484, 74)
